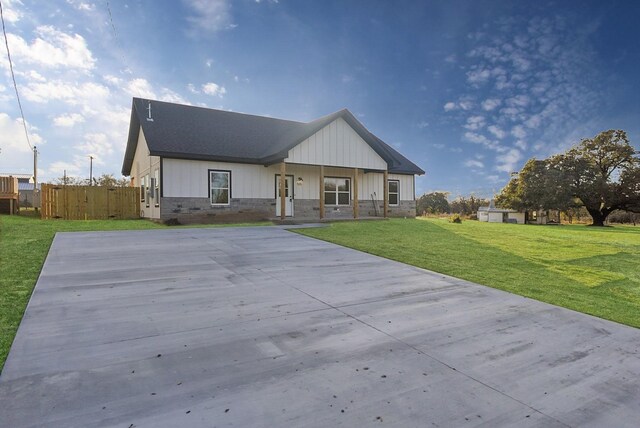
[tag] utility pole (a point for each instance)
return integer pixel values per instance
(36, 200)
(90, 170)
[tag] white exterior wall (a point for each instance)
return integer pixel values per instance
(189, 178)
(495, 217)
(144, 164)
(337, 144)
(483, 216)
(519, 217)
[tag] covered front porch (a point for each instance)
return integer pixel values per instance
(340, 194)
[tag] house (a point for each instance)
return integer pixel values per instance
(197, 164)
(492, 214)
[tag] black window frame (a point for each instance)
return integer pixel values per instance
(336, 192)
(389, 192)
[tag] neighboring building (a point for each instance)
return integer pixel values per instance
(492, 214)
(25, 188)
(199, 165)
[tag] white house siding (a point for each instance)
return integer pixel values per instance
(495, 217)
(144, 164)
(189, 178)
(518, 217)
(337, 144)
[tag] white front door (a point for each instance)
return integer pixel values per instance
(288, 194)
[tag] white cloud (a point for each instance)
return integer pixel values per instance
(451, 59)
(507, 161)
(438, 146)
(53, 48)
(423, 124)
(497, 131)
(16, 156)
(518, 132)
(210, 16)
(491, 104)
(449, 106)
(191, 88)
(58, 90)
(97, 145)
(214, 89)
(83, 6)
(478, 76)
(473, 163)
(521, 144)
(474, 123)
(140, 87)
(68, 120)
(466, 104)
(11, 11)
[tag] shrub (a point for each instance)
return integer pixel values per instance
(455, 218)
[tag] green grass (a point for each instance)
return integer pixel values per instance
(590, 270)
(24, 244)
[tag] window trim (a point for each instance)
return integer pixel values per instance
(228, 172)
(395, 193)
(275, 185)
(147, 181)
(324, 191)
(156, 189)
(143, 189)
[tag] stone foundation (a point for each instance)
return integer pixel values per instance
(200, 210)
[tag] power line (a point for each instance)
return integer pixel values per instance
(13, 77)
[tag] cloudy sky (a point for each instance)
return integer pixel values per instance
(469, 90)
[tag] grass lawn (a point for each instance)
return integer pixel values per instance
(24, 244)
(591, 270)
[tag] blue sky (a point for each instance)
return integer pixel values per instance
(469, 90)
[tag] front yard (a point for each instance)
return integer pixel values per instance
(590, 270)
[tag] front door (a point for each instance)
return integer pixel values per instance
(288, 194)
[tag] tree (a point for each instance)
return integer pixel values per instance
(433, 203)
(467, 206)
(107, 180)
(602, 174)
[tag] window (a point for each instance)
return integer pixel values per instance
(219, 187)
(142, 188)
(147, 183)
(156, 188)
(394, 192)
(337, 191)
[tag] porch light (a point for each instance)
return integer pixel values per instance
(299, 181)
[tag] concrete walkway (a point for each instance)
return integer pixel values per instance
(262, 327)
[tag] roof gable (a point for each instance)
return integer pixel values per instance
(336, 144)
(188, 132)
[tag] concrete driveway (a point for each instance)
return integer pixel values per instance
(262, 327)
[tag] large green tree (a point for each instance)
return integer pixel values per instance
(433, 203)
(601, 173)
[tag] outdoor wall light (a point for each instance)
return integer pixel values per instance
(299, 181)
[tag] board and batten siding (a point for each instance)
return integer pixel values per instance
(190, 178)
(144, 164)
(337, 144)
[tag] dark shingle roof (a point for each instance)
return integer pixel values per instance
(188, 132)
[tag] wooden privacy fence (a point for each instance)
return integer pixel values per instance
(89, 202)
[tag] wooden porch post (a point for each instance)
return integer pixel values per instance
(386, 193)
(321, 189)
(283, 181)
(356, 213)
